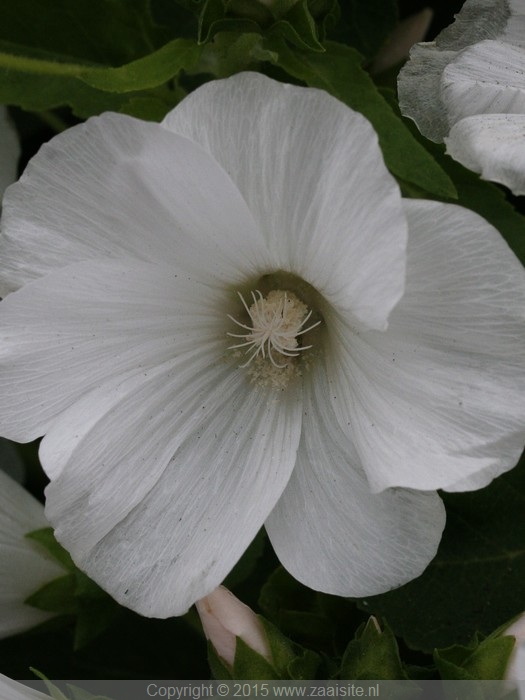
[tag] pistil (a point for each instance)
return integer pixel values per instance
(272, 337)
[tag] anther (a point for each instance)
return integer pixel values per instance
(277, 321)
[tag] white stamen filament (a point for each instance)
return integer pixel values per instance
(277, 321)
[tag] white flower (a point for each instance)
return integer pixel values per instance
(9, 151)
(467, 88)
(224, 618)
(143, 248)
(11, 690)
(25, 566)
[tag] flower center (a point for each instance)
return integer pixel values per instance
(272, 339)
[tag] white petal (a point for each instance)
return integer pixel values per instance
(419, 90)
(477, 21)
(487, 78)
(115, 186)
(332, 533)
(9, 151)
(11, 690)
(311, 172)
(126, 431)
(19, 511)
(69, 332)
(492, 145)
(24, 566)
(514, 32)
(184, 532)
(439, 398)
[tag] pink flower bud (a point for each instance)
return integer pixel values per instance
(224, 618)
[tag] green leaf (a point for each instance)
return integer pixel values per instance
(191, 5)
(214, 19)
(56, 596)
(295, 609)
(231, 53)
(316, 620)
(281, 649)
(475, 582)
(96, 610)
(93, 618)
(90, 56)
(46, 538)
(296, 24)
(367, 24)
(486, 660)
(34, 90)
(154, 69)
(304, 667)
(86, 589)
(74, 594)
(219, 669)
(339, 72)
(249, 665)
(298, 27)
(109, 32)
(372, 655)
(178, 17)
(45, 82)
(151, 109)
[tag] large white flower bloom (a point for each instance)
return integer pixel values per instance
(467, 88)
(9, 151)
(260, 216)
(25, 566)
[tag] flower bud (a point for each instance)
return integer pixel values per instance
(224, 618)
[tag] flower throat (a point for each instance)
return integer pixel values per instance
(272, 338)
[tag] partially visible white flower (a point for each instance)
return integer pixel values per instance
(224, 618)
(9, 151)
(232, 319)
(467, 88)
(516, 667)
(24, 565)
(11, 690)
